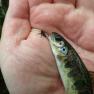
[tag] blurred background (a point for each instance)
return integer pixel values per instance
(3, 10)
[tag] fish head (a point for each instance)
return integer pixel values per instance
(58, 45)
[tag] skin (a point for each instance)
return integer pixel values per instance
(29, 67)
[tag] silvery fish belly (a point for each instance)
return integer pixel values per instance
(75, 77)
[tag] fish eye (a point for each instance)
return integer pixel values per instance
(59, 44)
(64, 50)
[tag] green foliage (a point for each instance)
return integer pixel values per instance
(3, 10)
(4, 4)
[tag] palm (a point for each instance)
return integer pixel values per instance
(27, 62)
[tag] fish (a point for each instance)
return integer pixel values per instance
(92, 76)
(73, 73)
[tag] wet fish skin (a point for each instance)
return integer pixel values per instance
(74, 75)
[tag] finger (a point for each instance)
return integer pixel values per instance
(64, 18)
(49, 16)
(65, 1)
(78, 27)
(89, 4)
(16, 19)
(33, 3)
(18, 8)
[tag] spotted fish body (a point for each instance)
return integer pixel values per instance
(75, 77)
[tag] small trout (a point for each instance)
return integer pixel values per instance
(75, 76)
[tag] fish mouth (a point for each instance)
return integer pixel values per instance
(56, 37)
(53, 36)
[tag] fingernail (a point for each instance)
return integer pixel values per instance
(35, 30)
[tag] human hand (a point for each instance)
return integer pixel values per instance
(27, 65)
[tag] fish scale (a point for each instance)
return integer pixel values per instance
(74, 74)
